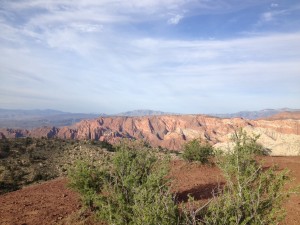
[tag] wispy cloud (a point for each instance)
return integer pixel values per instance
(173, 67)
(277, 14)
(175, 19)
(274, 5)
(272, 15)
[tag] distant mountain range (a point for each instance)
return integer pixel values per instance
(143, 112)
(29, 119)
(265, 113)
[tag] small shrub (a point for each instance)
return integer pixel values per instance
(7, 187)
(196, 150)
(28, 141)
(104, 144)
(5, 145)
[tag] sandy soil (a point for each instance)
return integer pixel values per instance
(51, 202)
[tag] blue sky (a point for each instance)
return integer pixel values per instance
(184, 56)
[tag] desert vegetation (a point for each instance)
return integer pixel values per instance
(24, 161)
(252, 194)
(197, 150)
(129, 183)
(132, 186)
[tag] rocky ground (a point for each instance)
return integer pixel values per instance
(53, 203)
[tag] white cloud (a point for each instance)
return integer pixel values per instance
(87, 28)
(119, 11)
(274, 5)
(70, 24)
(276, 14)
(273, 16)
(267, 16)
(9, 33)
(151, 72)
(268, 47)
(175, 19)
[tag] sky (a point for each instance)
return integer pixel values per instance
(181, 56)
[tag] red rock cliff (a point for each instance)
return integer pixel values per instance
(166, 131)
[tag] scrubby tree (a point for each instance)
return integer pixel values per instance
(197, 150)
(252, 194)
(130, 188)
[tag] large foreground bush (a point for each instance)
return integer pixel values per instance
(252, 194)
(130, 188)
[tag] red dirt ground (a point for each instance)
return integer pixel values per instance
(52, 202)
(45, 203)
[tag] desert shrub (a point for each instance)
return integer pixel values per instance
(134, 145)
(106, 145)
(248, 143)
(196, 150)
(39, 176)
(131, 189)
(252, 195)
(7, 187)
(86, 179)
(28, 141)
(5, 145)
(5, 148)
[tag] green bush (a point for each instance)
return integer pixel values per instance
(249, 143)
(103, 144)
(4, 145)
(252, 194)
(196, 150)
(87, 180)
(131, 189)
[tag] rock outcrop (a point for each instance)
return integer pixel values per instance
(282, 137)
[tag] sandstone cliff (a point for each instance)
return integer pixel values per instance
(282, 137)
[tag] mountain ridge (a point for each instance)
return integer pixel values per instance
(259, 114)
(143, 112)
(29, 119)
(172, 131)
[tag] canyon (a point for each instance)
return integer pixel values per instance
(280, 136)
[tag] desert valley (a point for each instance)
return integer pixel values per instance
(280, 132)
(37, 160)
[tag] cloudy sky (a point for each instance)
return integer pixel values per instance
(184, 56)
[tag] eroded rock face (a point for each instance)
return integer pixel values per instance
(173, 131)
(13, 133)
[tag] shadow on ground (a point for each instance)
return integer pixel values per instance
(200, 192)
